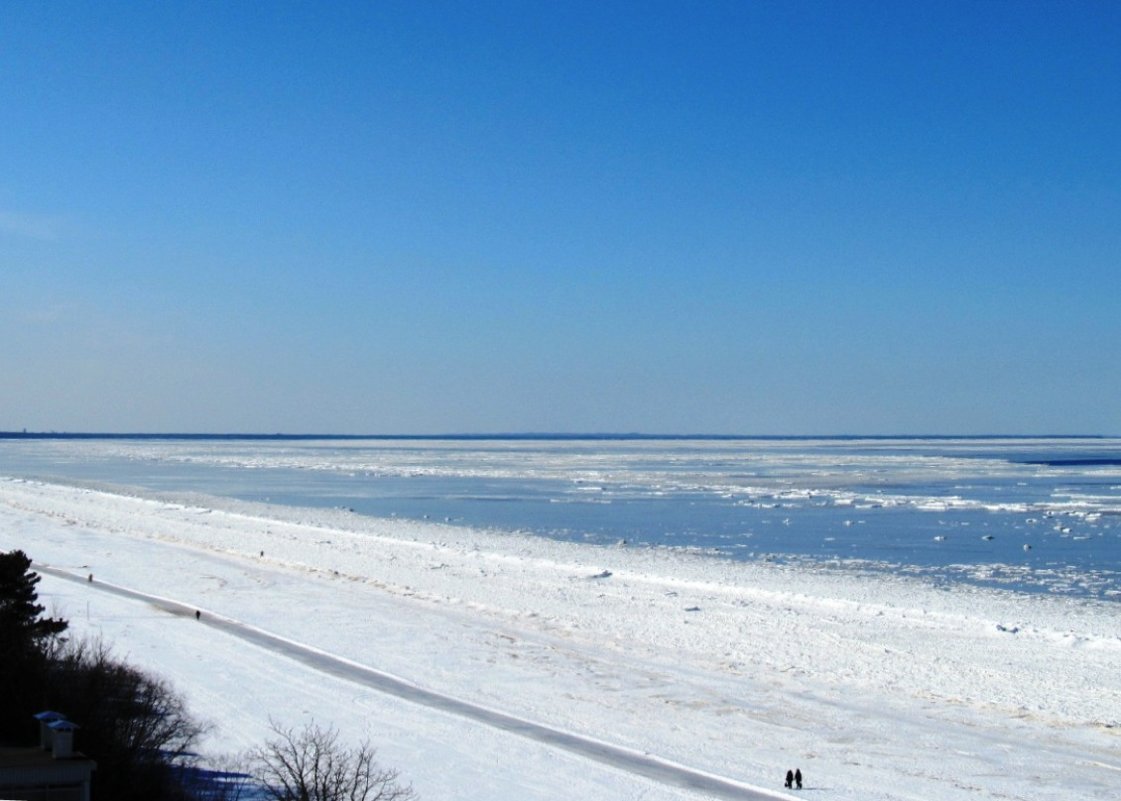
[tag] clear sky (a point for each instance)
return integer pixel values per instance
(382, 217)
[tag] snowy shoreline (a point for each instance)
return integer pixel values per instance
(889, 687)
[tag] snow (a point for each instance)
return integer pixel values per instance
(876, 687)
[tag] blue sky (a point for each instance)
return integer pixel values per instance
(754, 218)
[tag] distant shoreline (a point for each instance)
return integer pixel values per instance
(529, 437)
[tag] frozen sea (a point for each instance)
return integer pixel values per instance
(1036, 515)
(778, 603)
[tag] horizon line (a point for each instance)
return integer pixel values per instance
(527, 435)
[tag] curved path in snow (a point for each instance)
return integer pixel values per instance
(642, 764)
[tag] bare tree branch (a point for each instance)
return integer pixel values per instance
(311, 765)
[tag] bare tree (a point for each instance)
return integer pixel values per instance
(311, 765)
(132, 723)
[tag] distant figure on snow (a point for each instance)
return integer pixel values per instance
(798, 778)
(198, 614)
(90, 578)
(789, 778)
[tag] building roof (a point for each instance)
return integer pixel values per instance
(11, 758)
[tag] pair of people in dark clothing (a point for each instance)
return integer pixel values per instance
(794, 778)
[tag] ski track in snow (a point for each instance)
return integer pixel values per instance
(644, 765)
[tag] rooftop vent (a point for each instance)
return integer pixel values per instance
(45, 720)
(62, 738)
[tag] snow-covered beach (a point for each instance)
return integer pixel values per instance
(876, 687)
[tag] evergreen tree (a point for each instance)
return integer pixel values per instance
(21, 627)
(25, 641)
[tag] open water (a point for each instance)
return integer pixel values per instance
(1032, 515)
